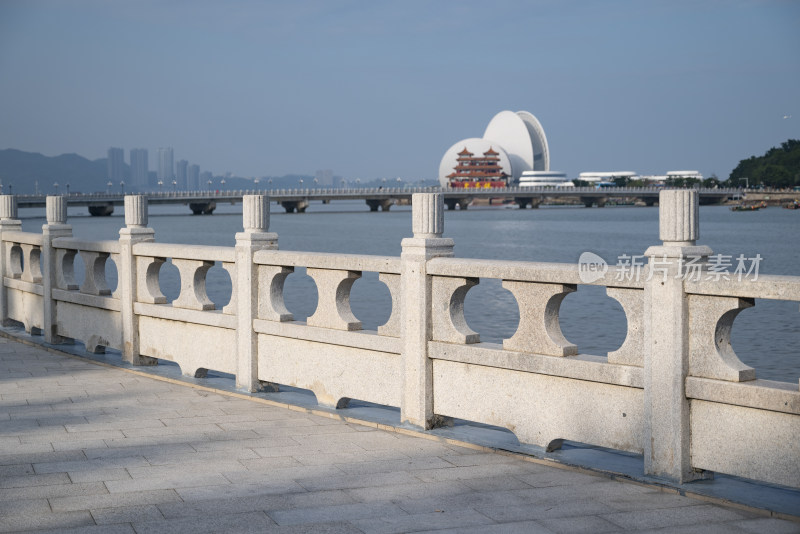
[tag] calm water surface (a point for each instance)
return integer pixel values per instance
(766, 337)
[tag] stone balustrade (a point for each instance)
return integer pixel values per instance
(674, 391)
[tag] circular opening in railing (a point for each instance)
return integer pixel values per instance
(78, 269)
(169, 280)
(299, 294)
(218, 286)
(112, 275)
(491, 311)
(766, 338)
(370, 301)
(593, 321)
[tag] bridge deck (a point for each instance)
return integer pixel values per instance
(95, 447)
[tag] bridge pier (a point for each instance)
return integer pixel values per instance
(600, 202)
(650, 202)
(463, 203)
(383, 203)
(524, 202)
(101, 209)
(203, 208)
(294, 205)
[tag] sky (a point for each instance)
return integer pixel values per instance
(379, 89)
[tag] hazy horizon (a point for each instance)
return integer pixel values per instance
(378, 89)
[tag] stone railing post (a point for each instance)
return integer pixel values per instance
(416, 297)
(56, 226)
(135, 231)
(667, 439)
(255, 220)
(8, 223)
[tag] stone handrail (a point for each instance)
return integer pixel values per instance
(525, 271)
(674, 392)
(109, 247)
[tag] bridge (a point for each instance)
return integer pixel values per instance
(674, 397)
(298, 200)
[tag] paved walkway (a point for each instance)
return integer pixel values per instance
(87, 448)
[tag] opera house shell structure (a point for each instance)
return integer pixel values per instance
(512, 144)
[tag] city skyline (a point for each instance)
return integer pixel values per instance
(375, 90)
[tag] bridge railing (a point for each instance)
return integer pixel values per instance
(674, 392)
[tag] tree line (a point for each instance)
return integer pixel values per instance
(779, 167)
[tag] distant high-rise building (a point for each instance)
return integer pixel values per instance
(324, 177)
(139, 168)
(165, 168)
(193, 178)
(181, 167)
(116, 165)
(206, 180)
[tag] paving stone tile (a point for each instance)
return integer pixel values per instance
(647, 500)
(472, 458)
(531, 511)
(232, 491)
(707, 528)
(357, 481)
(195, 468)
(767, 524)
(475, 471)
(522, 527)
(125, 528)
(58, 490)
(120, 425)
(99, 475)
(559, 477)
(24, 506)
(110, 500)
(78, 445)
(34, 480)
(400, 492)
(27, 448)
(19, 522)
(157, 458)
(282, 474)
(579, 525)
(673, 517)
(255, 522)
(415, 523)
(255, 503)
(158, 431)
(207, 446)
(461, 501)
(405, 464)
(341, 512)
(127, 514)
(89, 465)
(174, 481)
(501, 483)
(16, 470)
(261, 464)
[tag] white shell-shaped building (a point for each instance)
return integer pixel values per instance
(518, 137)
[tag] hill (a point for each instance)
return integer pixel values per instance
(779, 167)
(20, 172)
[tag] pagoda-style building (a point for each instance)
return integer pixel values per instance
(478, 171)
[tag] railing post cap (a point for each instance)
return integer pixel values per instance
(136, 211)
(8, 207)
(255, 213)
(678, 214)
(427, 210)
(56, 208)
